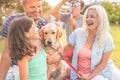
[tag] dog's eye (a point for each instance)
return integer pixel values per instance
(46, 33)
(53, 32)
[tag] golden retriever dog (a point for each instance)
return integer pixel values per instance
(50, 35)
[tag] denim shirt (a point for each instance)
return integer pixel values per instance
(77, 39)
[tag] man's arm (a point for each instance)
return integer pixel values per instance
(5, 61)
(56, 12)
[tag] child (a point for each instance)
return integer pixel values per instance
(25, 47)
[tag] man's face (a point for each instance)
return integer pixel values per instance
(33, 8)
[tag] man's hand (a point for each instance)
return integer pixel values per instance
(53, 57)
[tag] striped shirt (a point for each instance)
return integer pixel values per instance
(41, 22)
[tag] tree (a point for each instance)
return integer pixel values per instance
(113, 12)
(8, 7)
(46, 10)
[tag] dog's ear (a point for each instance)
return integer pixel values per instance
(41, 34)
(59, 32)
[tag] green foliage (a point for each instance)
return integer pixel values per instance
(8, 3)
(1, 46)
(113, 12)
(11, 4)
(7, 7)
(46, 6)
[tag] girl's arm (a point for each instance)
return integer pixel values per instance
(23, 67)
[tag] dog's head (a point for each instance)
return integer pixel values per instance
(50, 33)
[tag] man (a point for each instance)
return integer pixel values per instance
(32, 8)
(74, 18)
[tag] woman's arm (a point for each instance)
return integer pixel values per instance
(101, 66)
(23, 67)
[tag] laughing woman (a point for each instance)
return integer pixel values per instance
(93, 46)
(25, 47)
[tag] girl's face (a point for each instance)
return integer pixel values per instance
(92, 19)
(33, 32)
(76, 9)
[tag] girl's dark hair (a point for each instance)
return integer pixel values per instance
(82, 4)
(19, 45)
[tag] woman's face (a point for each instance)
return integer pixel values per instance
(33, 33)
(92, 19)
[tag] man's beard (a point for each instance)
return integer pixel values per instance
(35, 19)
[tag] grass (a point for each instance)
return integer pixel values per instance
(115, 31)
(1, 45)
(116, 52)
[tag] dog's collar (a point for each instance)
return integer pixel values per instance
(54, 49)
(51, 47)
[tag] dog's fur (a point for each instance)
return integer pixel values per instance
(50, 35)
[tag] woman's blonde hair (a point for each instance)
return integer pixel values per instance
(103, 27)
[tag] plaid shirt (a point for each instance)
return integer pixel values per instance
(41, 22)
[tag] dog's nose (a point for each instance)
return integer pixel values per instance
(49, 42)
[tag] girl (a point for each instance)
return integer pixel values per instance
(25, 47)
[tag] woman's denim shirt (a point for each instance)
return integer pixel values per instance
(78, 40)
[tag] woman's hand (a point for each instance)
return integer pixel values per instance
(85, 78)
(82, 76)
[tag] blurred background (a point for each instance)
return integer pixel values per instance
(8, 7)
